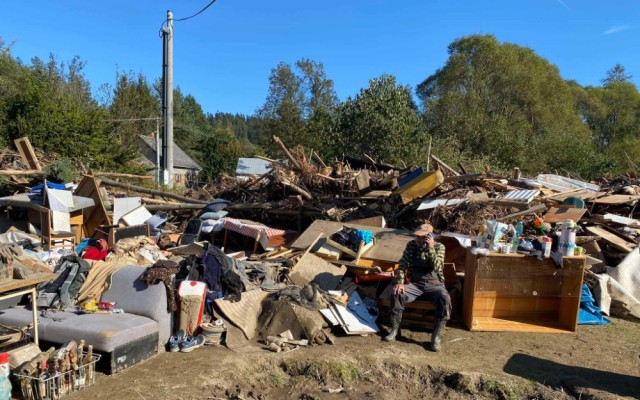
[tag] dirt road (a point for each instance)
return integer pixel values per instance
(596, 362)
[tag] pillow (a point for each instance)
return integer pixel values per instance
(213, 215)
(216, 205)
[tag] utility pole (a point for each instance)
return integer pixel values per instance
(166, 176)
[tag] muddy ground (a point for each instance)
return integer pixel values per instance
(597, 362)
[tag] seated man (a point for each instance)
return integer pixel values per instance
(423, 259)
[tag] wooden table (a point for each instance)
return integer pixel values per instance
(12, 289)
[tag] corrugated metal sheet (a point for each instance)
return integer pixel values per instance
(526, 196)
(563, 184)
(252, 166)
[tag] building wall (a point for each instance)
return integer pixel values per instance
(179, 176)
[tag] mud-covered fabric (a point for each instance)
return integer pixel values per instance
(62, 292)
(163, 271)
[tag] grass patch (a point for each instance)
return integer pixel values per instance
(503, 390)
(323, 371)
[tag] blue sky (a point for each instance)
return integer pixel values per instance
(224, 56)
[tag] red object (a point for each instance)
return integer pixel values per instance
(373, 278)
(93, 253)
(106, 305)
(4, 358)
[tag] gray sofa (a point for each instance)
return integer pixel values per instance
(123, 339)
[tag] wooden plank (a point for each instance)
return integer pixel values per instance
(469, 287)
(27, 154)
(328, 252)
(390, 243)
(531, 210)
(488, 324)
(363, 249)
(311, 268)
(34, 279)
(501, 202)
(95, 216)
(342, 248)
(559, 214)
(363, 180)
(444, 166)
(377, 222)
(610, 237)
(615, 199)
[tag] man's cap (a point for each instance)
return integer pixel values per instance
(423, 230)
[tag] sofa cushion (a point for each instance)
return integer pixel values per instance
(104, 331)
(136, 297)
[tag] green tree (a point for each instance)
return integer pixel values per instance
(53, 106)
(220, 153)
(297, 93)
(382, 122)
(616, 74)
(132, 105)
(504, 102)
(190, 124)
(612, 112)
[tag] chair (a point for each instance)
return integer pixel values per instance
(50, 237)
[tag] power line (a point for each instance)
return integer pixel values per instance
(186, 18)
(196, 14)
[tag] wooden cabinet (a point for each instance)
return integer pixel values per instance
(512, 292)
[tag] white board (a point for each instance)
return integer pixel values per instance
(60, 221)
(124, 205)
(328, 315)
(137, 217)
(433, 203)
(59, 200)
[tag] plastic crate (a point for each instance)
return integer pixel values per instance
(60, 385)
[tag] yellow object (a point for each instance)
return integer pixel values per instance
(422, 185)
(89, 306)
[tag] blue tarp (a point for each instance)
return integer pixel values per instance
(50, 185)
(589, 313)
(409, 177)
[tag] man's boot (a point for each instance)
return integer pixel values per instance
(395, 328)
(436, 336)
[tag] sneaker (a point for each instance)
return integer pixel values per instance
(192, 343)
(176, 340)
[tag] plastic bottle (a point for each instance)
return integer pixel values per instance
(547, 246)
(567, 242)
(5, 383)
(515, 242)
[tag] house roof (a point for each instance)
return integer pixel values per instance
(180, 158)
(252, 166)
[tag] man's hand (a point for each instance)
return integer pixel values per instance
(398, 289)
(430, 241)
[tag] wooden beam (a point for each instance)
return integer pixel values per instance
(26, 152)
(531, 210)
(463, 178)
(173, 206)
(120, 175)
(444, 165)
(17, 172)
(286, 152)
(123, 185)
